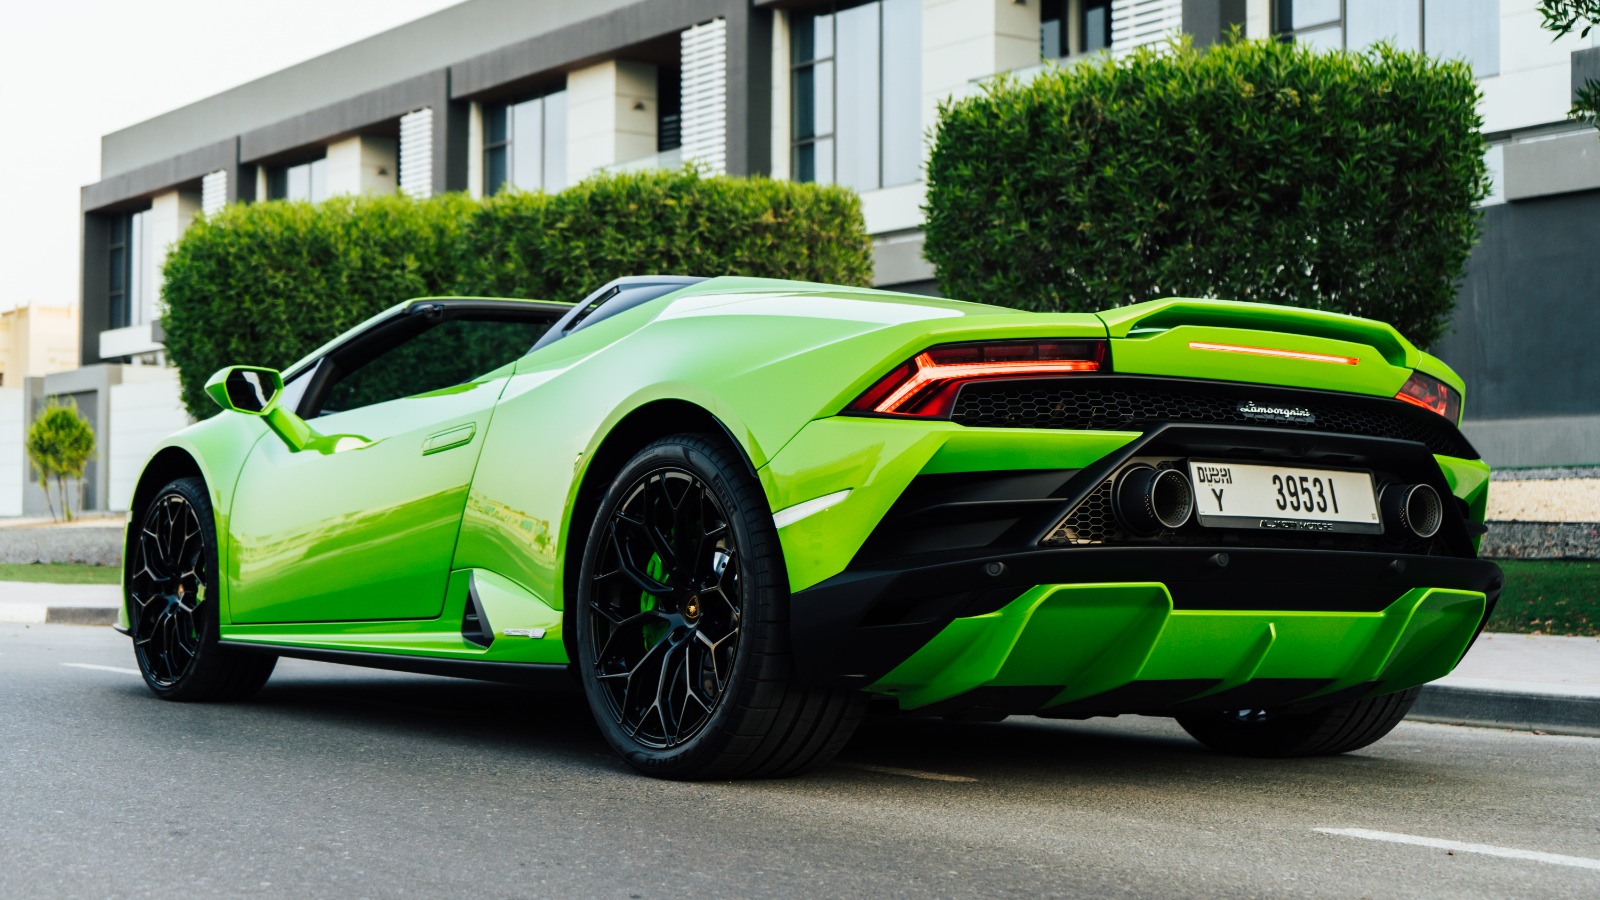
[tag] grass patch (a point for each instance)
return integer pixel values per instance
(60, 573)
(1549, 597)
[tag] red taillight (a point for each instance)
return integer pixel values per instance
(925, 386)
(1432, 394)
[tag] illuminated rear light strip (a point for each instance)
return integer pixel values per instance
(1274, 352)
(930, 372)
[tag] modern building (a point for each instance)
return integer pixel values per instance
(495, 93)
(37, 340)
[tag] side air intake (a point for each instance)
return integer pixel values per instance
(474, 624)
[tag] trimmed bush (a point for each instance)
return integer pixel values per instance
(267, 283)
(1253, 170)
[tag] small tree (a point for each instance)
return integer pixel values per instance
(60, 445)
(1563, 17)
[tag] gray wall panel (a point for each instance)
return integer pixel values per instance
(430, 43)
(345, 117)
(1527, 320)
(189, 165)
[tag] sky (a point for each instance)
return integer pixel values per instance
(73, 70)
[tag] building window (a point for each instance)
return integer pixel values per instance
(306, 181)
(868, 135)
(132, 275)
(1450, 29)
(525, 144)
(1074, 27)
(669, 108)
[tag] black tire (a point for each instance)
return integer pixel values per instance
(171, 583)
(718, 618)
(1339, 728)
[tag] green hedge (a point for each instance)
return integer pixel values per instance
(1252, 170)
(266, 283)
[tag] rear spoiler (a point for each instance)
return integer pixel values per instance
(1154, 316)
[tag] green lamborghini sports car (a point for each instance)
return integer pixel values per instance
(738, 511)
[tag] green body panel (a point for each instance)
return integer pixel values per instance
(875, 459)
(1090, 638)
(504, 603)
(366, 537)
(363, 533)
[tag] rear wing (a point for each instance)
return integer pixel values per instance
(1143, 319)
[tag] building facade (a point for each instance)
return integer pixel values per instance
(496, 93)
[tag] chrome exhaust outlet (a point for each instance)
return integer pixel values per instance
(1417, 508)
(1149, 499)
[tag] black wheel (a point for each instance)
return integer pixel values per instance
(171, 611)
(1339, 728)
(682, 625)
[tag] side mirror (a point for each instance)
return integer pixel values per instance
(246, 389)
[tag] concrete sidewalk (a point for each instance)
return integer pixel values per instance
(1519, 681)
(27, 602)
(1526, 682)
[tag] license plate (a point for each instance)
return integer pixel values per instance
(1280, 498)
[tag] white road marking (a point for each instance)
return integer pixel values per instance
(907, 773)
(1554, 859)
(101, 668)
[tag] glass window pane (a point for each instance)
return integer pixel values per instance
(149, 275)
(1052, 29)
(803, 105)
(857, 117)
(527, 145)
(1294, 14)
(1464, 29)
(297, 183)
(1369, 21)
(1096, 25)
(1330, 38)
(453, 352)
(805, 162)
(138, 279)
(555, 141)
(902, 91)
(119, 269)
(494, 169)
(319, 180)
(494, 124)
(824, 161)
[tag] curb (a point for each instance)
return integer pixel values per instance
(39, 614)
(1574, 714)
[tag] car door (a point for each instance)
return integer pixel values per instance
(363, 528)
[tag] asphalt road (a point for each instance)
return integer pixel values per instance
(353, 783)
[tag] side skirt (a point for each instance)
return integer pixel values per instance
(542, 675)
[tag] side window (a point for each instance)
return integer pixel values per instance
(444, 354)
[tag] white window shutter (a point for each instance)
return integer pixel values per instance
(1136, 23)
(705, 95)
(213, 192)
(416, 154)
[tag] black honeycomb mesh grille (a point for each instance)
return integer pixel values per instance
(1090, 522)
(1116, 404)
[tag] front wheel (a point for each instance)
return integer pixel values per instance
(1339, 728)
(172, 607)
(682, 625)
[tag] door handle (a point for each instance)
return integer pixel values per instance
(453, 437)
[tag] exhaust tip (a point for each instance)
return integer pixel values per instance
(1150, 499)
(1417, 508)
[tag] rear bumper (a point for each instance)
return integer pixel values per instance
(1083, 631)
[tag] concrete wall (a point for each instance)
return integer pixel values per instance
(611, 116)
(14, 468)
(144, 408)
(1525, 329)
(364, 164)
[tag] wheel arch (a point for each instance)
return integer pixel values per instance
(633, 432)
(167, 465)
